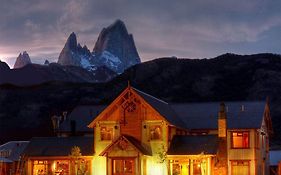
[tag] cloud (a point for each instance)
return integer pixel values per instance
(194, 28)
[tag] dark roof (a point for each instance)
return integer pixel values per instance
(193, 145)
(83, 115)
(163, 108)
(138, 145)
(204, 115)
(58, 146)
(5, 160)
(186, 115)
(15, 148)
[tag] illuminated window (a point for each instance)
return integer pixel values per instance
(123, 166)
(176, 169)
(106, 133)
(240, 139)
(40, 167)
(155, 133)
(60, 167)
(240, 167)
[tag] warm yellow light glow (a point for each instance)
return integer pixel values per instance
(98, 165)
(184, 169)
(54, 166)
(156, 168)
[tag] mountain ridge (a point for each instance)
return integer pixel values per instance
(227, 77)
(114, 48)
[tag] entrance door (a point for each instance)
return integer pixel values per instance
(123, 166)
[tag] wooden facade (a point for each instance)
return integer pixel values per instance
(130, 114)
(138, 134)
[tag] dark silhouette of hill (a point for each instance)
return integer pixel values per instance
(228, 77)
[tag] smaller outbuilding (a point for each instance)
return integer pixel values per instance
(10, 157)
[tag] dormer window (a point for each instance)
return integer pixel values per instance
(106, 133)
(155, 132)
(240, 139)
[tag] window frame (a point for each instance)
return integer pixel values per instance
(239, 132)
(107, 128)
(150, 133)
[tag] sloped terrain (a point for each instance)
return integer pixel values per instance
(34, 74)
(227, 77)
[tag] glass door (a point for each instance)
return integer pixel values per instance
(124, 166)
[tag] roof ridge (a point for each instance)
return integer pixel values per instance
(150, 96)
(213, 102)
(14, 141)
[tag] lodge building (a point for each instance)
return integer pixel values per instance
(138, 134)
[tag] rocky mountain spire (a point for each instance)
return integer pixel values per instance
(115, 40)
(74, 54)
(22, 60)
(68, 54)
(114, 49)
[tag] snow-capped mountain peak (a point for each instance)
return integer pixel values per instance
(114, 49)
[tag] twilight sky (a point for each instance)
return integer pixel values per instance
(182, 28)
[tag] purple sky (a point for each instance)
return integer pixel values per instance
(182, 28)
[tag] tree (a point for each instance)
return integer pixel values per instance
(79, 163)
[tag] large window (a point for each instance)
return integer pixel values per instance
(40, 167)
(123, 167)
(240, 167)
(106, 133)
(60, 167)
(240, 139)
(155, 132)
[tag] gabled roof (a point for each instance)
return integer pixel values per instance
(138, 145)
(131, 140)
(186, 115)
(58, 146)
(193, 145)
(82, 115)
(204, 115)
(160, 106)
(15, 148)
(163, 108)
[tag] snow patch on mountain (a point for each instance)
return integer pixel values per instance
(85, 63)
(114, 49)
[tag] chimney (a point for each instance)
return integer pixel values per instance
(64, 114)
(56, 122)
(221, 166)
(242, 108)
(222, 125)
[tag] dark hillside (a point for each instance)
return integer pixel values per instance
(227, 77)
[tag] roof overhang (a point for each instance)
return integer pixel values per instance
(123, 142)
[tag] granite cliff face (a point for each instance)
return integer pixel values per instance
(22, 60)
(114, 49)
(73, 54)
